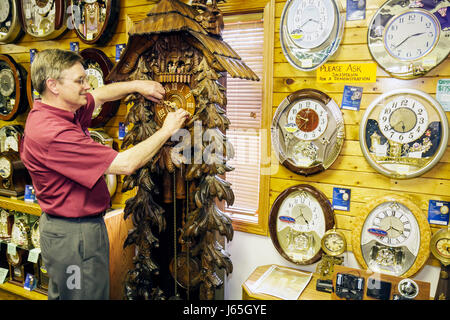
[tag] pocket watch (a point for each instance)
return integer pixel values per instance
(333, 242)
(94, 21)
(299, 218)
(310, 31)
(12, 88)
(409, 39)
(392, 236)
(43, 19)
(403, 133)
(307, 131)
(178, 95)
(98, 66)
(10, 136)
(10, 29)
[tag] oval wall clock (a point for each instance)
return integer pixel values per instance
(12, 88)
(94, 21)
(98, 66)
(10, 29)
(392, 236)
(403, 133)
(311, 31)
(43, 19)
(307, 131)
(298, 220)
(409, 39)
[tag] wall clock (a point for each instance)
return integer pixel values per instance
(94, 21)
(409, 39)
(43, 19)
(12, 88)
(403, 133)
(307, 131)
(310, 31)
(10, 136)
(392, 236)
(10, 29)
(440, 248)
(299, 218)
(98, 66)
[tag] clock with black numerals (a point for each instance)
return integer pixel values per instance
(12, 88)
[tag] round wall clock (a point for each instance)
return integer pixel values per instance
(178, 95)
(12, 88)
(43, 19)
(392, 236)
(10, 29)
(98, 66)
(307, 131)
(403, 133)
(310, 31)
(94, 20)
(299, 218)
(408, 40)
(10, 136)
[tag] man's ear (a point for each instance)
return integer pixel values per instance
(52, 86)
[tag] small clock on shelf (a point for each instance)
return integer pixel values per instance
(12, 88)
(19, 266)
(98, 66)
(10, 29)
(94, 20)
(307, 131)
(298, 220)
(408, 39)
(440, 248)
(10, 136)
(403, 133)
(311, 31)
(13, 174)
(43, 19)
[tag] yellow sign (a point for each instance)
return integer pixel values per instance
(347, 73)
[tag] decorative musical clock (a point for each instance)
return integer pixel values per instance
(13, 174)
(409, 39)
(333, 242)
(392, 236)
(310, 31)
(10, 136)
(299, 218)
(403, 133)
(307, 131)
(94, 21)
(18, 265)
(12, 88)
(98, 66)
(178, 95)
(44, 19)
(440, 248)
(6, 224)
(10, 29)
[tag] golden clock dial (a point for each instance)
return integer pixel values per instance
(5, 168)
(440, 246)
(178, 95)
(334, 243)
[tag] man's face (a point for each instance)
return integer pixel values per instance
(74, 86)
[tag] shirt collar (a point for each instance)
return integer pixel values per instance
(67, 115)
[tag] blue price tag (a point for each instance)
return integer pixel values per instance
(438, 212)
(341, 199)
(75, 47)
(119, 50)
(356, 10)
(32, 54)
(351, 99)
(30, 195)
(122, 130)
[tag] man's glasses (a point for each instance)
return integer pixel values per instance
(80, 81)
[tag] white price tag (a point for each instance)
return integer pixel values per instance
(33, 255)
(3, 274)
(12, 249)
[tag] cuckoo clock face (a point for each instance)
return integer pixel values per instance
(44, 19)
(307, 131)
(408, 41)
(12, 88)
(178, 95)
(10, 29)
(392, 236)
(95, 20)
(404, 133)
(298, 220)
(310, 31)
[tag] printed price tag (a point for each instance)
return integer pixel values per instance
(351, 99)
(341, 199)
(438, 212)
(33, 255)
(3, 274)
(12, 249)
(119, 50)
(75, 47)
(443, 93)
(122, 130)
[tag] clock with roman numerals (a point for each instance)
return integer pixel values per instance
(178, 95)
(392, 236)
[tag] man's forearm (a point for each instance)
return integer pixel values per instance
(113, 91)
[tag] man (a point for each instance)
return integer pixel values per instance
(67, 169)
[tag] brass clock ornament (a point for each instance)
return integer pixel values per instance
(299, 218)
(392, 236)
(408, 39)
(94, 21)
(98, 66)
(12, 88)
(10, 29)
(311, 31)
(44, 19)
(307, 131)
(403, 133)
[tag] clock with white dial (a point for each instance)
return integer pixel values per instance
(392, 236)
(10, 30)
(310, 31)
(299, 218)
(409, 40)
(334, 242)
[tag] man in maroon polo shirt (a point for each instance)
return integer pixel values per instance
(67, 168)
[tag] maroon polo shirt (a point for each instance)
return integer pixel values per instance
(65, 164)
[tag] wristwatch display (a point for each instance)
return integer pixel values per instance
(408, 39)
(10, 29)
(12, 88)
(299, 218)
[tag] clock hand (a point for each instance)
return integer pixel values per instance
(413, 35)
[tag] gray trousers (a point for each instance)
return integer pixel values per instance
(76, 255)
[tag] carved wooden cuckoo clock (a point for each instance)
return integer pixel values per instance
(174, 208)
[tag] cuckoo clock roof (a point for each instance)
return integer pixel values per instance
(175, 16)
